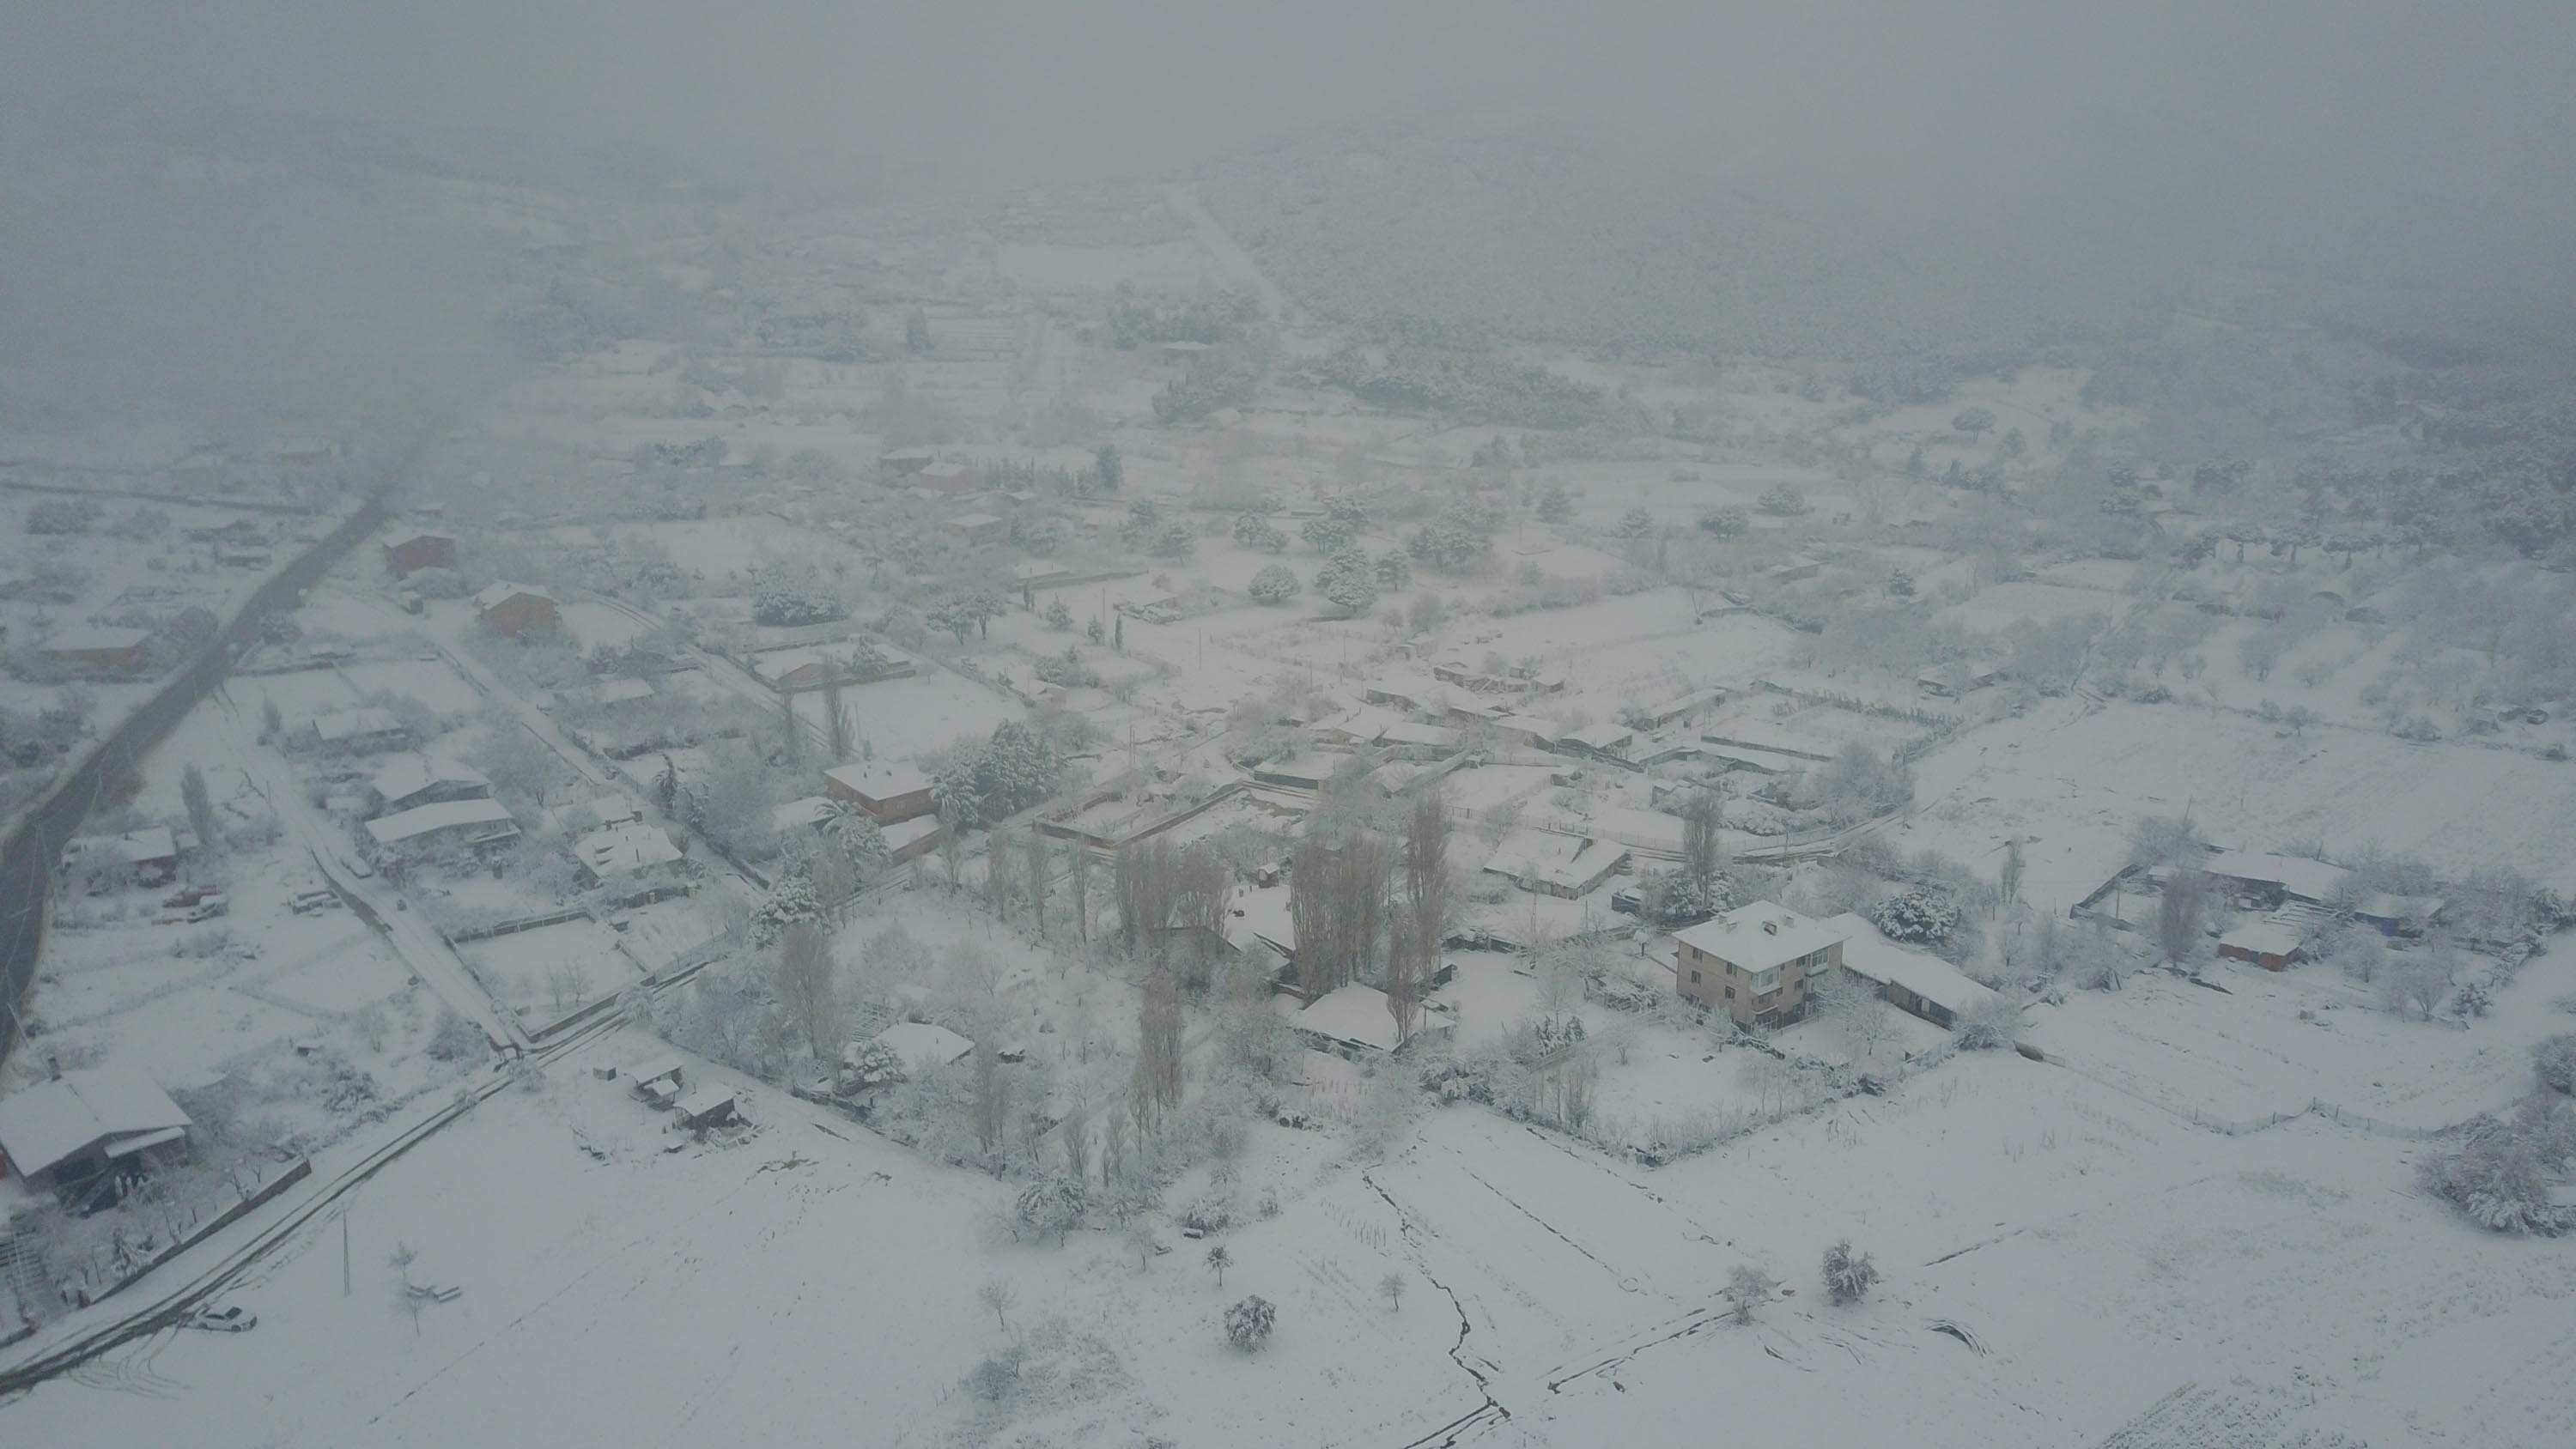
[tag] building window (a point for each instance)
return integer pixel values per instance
(1767, 981)
(1694, 978)
(1730, 993)
(1729, 965)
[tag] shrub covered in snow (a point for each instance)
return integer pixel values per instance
(1924, 917)
(1991, 1024)
(1248, 1323)
(1848, 1275)
(1747, 1288)
(2507, 1175)
(1274, 584)
(2554, 1058)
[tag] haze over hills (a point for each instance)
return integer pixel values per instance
(1531, 226)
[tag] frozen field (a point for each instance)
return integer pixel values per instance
(2059, 1260)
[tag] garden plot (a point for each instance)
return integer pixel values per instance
(657, 935)
(298, 696)
(902, 718)
(2278, 1040)
(544, 973)
(433, 682)
(598, 626)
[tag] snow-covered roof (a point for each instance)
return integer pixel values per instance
(1868, 954)
(407, 775)
(2262, 938)
(973, 520)
(905, 832)
(1753, 734)
(1646, 829)
(356, 724)
(1527, 854)
(920, 1044)
(1356, 1014)
(2383, 906)
(1600, 736)
(44, 1124)
(622, 849)
(1406, 732)
(705, 1102)
(880, 779)
(943, 470)
(1759, 936)
(811, 811)
(1038, 570)
(137, 847)
(656, 1069)
(422, 820)
(498, 592)
(2307, 879)
(419, 535)
(93, 641)
(619, 691)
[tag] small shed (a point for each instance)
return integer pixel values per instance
(106, 651)
(705, 1108)
(659, 1081)
(979, 527)
(2268, 944)
(514, 609)
(364, 730)
(408, 553)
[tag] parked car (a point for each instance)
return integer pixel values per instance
(228, 1319)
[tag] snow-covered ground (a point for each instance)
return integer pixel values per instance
(2058, 1259)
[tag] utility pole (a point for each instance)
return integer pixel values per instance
(344, 1253)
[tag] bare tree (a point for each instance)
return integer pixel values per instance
(2008, 879)
(952, 846)
(1039, 869)
(997, 871)
(992, 1106)
(807, 987)
(1703, 847)
(1416, 957)
(1337, 899)
(2178, 916)
(836, 723)
(1392, 1285)
(1158, 1042)
(998, 1296)
(201, 810)
(1082, 890)
(1220, 1260)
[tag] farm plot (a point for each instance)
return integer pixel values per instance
(544, 973)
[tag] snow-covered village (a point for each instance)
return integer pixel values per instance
(1342, 786)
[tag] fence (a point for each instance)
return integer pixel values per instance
(35, 844)
(2231, 1127)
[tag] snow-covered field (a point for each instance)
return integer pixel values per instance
(2058, 1257)
(2071, 777)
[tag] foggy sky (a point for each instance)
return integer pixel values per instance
(2475, 99)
